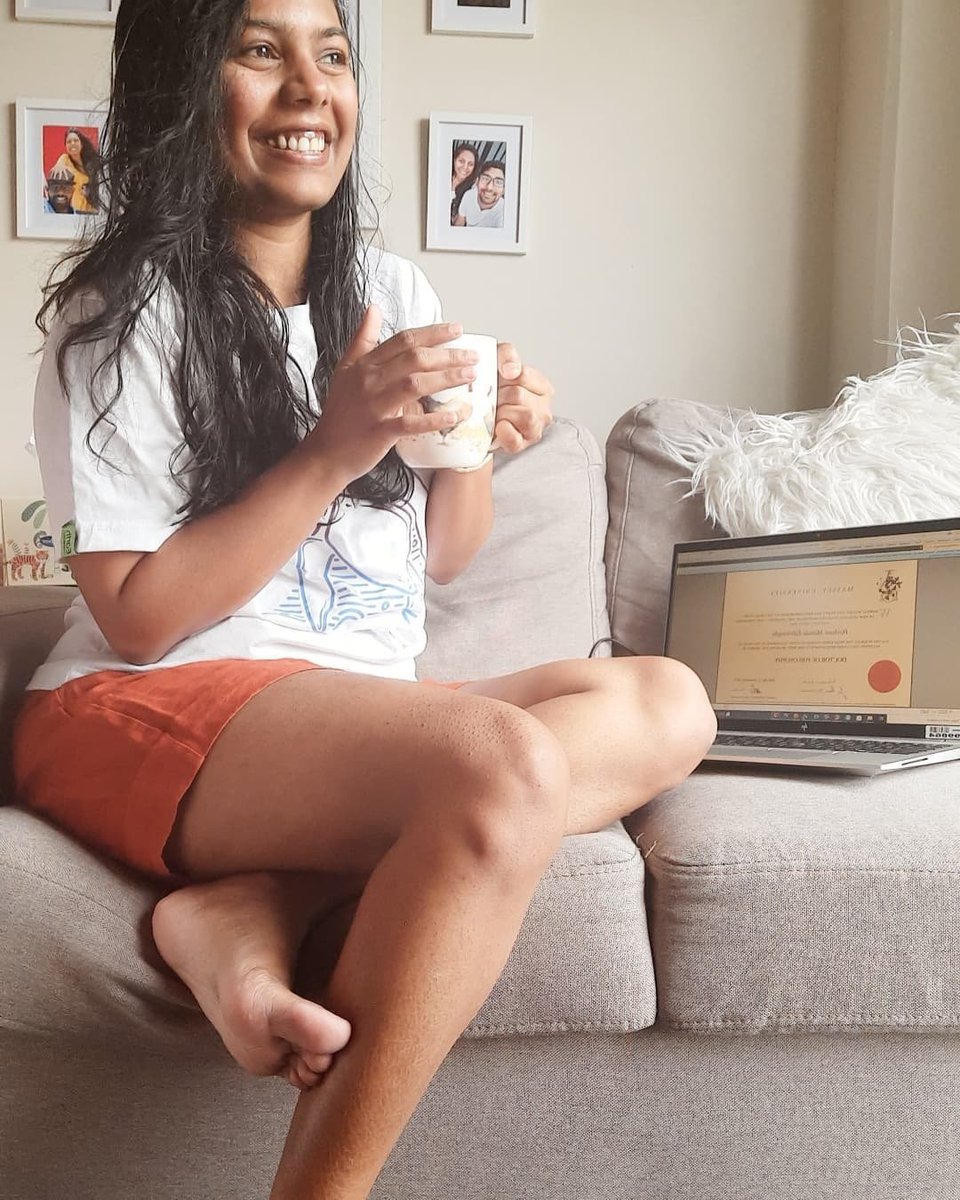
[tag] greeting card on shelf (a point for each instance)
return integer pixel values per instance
(29, 555)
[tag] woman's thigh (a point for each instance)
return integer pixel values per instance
(322, 770)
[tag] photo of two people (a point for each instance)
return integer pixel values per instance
(478, 184)
(71, 169)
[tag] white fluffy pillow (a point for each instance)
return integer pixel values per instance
(887, 449)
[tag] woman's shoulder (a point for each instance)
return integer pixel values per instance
(400, 290)
(159, 319)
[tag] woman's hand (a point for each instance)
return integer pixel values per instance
(374, 396)
(523, 403)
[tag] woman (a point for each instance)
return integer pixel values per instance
(81, 159)
(216, 417)
(463, 176)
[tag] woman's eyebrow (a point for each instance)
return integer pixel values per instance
(282, 27)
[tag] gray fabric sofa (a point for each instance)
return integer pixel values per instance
(749, 991)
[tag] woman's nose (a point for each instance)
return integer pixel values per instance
(305, 82)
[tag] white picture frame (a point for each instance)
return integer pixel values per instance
(496, 18)
(365, 21)
(42, 131)
(79, 12)
(499, 140)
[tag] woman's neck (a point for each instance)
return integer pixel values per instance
(278, 254)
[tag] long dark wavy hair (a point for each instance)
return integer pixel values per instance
(89, 163)
(167, 206)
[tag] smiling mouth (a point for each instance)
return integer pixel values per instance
(299, 142)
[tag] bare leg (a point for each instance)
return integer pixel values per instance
(631, 728)
(454, 819)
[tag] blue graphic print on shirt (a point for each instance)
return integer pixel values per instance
(331, 591)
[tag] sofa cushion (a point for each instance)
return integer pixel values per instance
(649, 512)
(535, 592)
(31, 620)
(805, 901)
(79, 960)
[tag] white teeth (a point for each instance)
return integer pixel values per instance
(304, 143)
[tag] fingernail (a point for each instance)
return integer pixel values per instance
(511, 370)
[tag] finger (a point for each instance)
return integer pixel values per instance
(397, 388)
(533, 381)
(409, 424)
(365, 339)
(509, 362)
(507, 437)
(527, 423)
(520, 397)
(424, 336)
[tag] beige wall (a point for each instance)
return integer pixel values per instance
(684, 165)
(897, 238)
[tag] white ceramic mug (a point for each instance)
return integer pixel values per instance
(467, 444)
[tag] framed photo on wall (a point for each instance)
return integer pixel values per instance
(96, 12)
(506, 18)
(59, 188)
(478, 183)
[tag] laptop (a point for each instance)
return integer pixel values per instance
(836, 649)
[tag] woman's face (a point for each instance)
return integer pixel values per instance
(463, 165)
(74, 146)
(290, 110)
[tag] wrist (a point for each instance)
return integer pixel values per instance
(324, 469)
(488, 461)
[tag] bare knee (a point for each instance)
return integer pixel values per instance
(673, 698)
(510, 806)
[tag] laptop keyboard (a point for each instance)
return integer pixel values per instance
(853, 745)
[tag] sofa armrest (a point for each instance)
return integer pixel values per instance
(649, 513)
(31, 620)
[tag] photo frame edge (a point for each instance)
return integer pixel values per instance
(24, 105)
(443, 23)
(525, 125)
(66, 16)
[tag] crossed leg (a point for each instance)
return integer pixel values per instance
(449, 806)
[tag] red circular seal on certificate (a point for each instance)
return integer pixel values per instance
(884, 675)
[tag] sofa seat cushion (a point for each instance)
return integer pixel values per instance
(804, 901)
(78, 959)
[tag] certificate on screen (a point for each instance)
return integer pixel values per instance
(825, 636)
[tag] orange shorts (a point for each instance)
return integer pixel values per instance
(109, 757)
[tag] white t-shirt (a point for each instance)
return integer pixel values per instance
(352, 595)
(491, 218)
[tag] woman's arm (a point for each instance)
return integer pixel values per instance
(459, 520)
(460, 504)
(144, 603)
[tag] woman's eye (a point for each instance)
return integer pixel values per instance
(335, 58)
(259, 50)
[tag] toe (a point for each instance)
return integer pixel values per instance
(317, 1063)
(292, 1076)
(308, 1078)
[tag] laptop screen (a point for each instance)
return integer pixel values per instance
(854, 630)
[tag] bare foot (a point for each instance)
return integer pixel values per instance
(233, 943)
